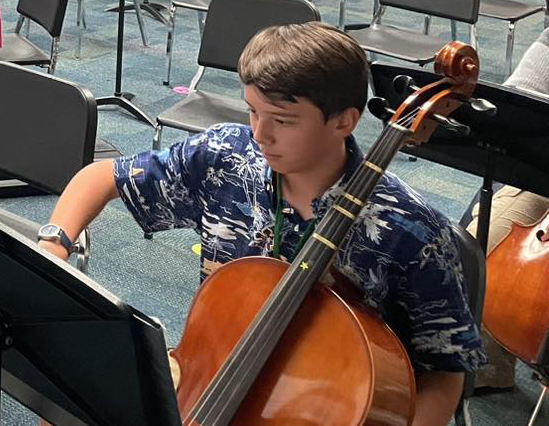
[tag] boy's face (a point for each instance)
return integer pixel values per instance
(293, 137)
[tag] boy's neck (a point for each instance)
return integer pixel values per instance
(300, 189)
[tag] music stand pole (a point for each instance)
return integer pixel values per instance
(485, 201)
(122, 99)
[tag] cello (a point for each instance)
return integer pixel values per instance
(272, 343)
(516, 304)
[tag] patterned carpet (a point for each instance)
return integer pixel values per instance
(159, 277)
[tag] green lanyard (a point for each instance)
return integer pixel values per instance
(278, 225)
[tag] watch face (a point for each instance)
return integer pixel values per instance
(49, 230)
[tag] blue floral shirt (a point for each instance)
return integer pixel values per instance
(400, 251)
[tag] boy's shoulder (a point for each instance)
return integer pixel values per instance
(391, 189)
(219, 141)
(234, 133)
(406, 211)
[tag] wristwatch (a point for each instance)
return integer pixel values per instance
(51, 232)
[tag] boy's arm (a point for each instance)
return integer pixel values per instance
(82, 200)
(438, 394)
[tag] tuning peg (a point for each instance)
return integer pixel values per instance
(380, 108)
(482, 105)
(451, 124)
(404, 84)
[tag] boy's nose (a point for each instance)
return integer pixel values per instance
(262, 133)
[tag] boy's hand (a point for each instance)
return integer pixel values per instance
(54, 248)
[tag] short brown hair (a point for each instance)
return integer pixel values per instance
(312, 60)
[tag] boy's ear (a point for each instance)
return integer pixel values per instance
(347, 121)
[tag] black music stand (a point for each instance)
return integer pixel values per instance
(511, 147)
(123, 99)
(71, 351)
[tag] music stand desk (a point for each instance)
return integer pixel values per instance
(71, 351)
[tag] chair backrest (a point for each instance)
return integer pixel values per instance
(47, 13)
(48, 127)
(230, 24)
(459, 10)
(473, 261)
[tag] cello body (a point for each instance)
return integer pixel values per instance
(336, 364)
(516, 306)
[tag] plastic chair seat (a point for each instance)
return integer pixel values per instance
(19, 50)
(201, 5)
(507, 10)
(104, 150)
(199, 110)
(398, 43)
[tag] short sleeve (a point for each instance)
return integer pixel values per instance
(162, 189)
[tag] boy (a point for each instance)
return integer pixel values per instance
(306, 88)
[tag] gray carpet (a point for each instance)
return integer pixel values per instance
(159, 277)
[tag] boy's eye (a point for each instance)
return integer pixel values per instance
(251, 110)
(279, 121)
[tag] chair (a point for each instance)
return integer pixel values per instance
(81, 23)
(48, 131)
(229, 25)
(408, 45)
(511, 11)
(201, 6)
(20, 50)
(473, 261)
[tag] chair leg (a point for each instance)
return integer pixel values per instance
(544, 391)
(84, 22)
(509, 52)
(157, 142)
(19, 24)
(79, 19)
(473, 40)
(376, 7)
(453, 29)
(27, 28)
(426, 24)
(341, 15)
(83, 253)
(53, 55)
(140, 22)
(462, 416)
(169, 44)
(201, 23)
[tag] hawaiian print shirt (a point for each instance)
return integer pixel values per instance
(400, 252)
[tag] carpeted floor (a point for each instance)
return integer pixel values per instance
(160, 276)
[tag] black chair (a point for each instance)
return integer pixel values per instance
(48, 129)
(20, 50)
(409, 45)
(230, 24)
(511, 11)
(474, 270)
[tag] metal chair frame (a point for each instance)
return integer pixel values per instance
(512, 20)
(367, 33)
(81, 24)
(202, 9)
